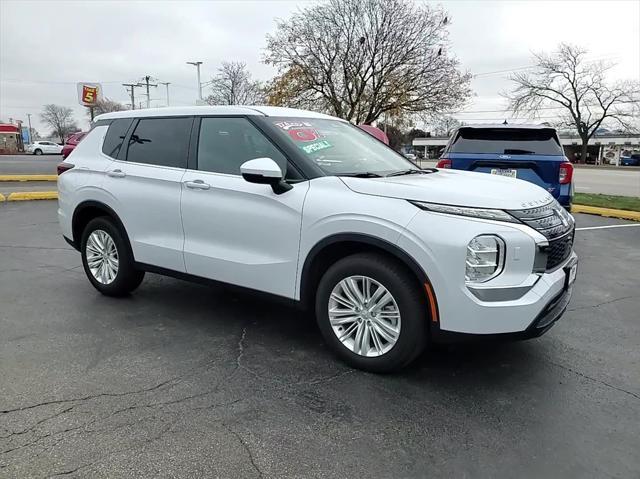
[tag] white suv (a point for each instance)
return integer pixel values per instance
(310, 208)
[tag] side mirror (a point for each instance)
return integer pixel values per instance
(265, 171)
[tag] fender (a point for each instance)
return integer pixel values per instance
(307, 275)
(75, 242)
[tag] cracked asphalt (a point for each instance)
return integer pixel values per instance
(182, 380)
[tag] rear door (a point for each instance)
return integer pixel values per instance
(145, 183)
(530, 154)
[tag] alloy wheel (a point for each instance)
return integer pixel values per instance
(364, 316)
(102, 257)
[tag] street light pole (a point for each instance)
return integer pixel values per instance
(29, 117)
(197, 65)
(166, 83)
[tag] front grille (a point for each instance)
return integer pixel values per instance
(555, 224)
(551, 220)
(559, 250)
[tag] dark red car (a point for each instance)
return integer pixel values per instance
(72, 142)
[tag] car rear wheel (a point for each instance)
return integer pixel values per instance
(107, 258)
(38, 151)
(372, 312)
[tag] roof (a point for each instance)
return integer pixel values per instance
(526, 126)
(214, 110)
(8, 128)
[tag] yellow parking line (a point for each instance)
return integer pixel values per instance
(609, 212)
(28, 177)
(32, 195)
(2, 198)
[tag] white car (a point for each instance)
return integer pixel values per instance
(44, 148)
(309, 208)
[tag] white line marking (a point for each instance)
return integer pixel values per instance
(606, 227)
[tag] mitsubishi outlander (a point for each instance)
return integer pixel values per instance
(308, 207)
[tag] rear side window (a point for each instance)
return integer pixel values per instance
(115, 134)
(506, 141)
(161, 141)
(225, 143)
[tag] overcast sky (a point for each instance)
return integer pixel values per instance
(48, 46)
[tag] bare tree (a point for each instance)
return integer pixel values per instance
(106, 106)
(566, 79)
(445, 125)
(60, 119)
(233, 85)
(366, 59)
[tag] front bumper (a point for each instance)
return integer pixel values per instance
(517, 302)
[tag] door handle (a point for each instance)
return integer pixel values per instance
(116, 174)
(197, 185)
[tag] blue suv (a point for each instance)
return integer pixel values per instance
(528, 152)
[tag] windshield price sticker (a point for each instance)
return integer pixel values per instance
(287, 125)
(317, 146)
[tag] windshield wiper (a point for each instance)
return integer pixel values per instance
(364, 174)
(411, 171)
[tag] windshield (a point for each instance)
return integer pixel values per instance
(507, 141)
(339, 148)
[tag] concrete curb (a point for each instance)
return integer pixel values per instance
(608, 212)
(30, 195)
(28, 177)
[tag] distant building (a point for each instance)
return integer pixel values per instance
(10, 139)
(604, 149)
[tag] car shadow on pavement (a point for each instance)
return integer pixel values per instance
(287, 336)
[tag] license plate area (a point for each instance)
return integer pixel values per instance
(508, 172)
(571, 272)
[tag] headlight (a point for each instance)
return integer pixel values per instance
(487, 214)
(485, 258)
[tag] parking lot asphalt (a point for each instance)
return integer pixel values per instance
(182, 380)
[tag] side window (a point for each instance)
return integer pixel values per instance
(225, 143)
(115, 134)
(161, 141)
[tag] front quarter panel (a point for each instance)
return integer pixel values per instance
(331, 209)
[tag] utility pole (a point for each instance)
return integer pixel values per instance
(166, 83)
(130, 90)
(30, 130)
(146, 82)
(197, 65)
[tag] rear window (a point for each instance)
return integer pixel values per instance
(506, 141)
(161, 141)
(115, 135)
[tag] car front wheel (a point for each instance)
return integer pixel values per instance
(372, 312)
(107, 258)
(37, 152)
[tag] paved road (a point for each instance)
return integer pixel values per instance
(181, 380)
(611, 182)
(588, 180)
(29, 164)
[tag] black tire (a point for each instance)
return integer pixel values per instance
(128, 277)
(410, 300)
(38, 151)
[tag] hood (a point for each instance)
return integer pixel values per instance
(452, 187)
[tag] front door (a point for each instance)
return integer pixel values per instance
(238, 232)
